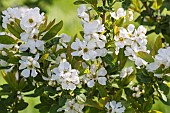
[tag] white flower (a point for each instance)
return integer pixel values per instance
(33, 45)
(29, 65)
(113, 107)
(71, 107)
(81, 12)
(66, 76)
(160, 60)
(122, 38)
(9, 16)
(31, 18)
(95, 75)
(120, 13)
(153, 66)
(125, 72)
(61, 58)
(93, 27)
(64, 39)
(86, 49)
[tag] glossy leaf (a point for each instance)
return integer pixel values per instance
(145, 56)
(78, 2)
(157, 45)
(5, 39)
(157, 4)
(53, 31)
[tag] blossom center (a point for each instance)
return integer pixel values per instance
(31, 20)
(121, 39)
(86, 50)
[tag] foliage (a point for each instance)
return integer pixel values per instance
(88, 73)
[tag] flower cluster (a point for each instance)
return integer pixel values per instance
(93, 43)
(161, 61)
(134, 40)
(137, 90)
(30, 21)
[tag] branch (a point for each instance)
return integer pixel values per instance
(147, 8)
(104, 12)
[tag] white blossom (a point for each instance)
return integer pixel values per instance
(29, 65)
(31, 18)
(86, 49)
(160, 60)
(71, 106)
(120, 13)
(10, 15)
(81, 12)
(66, 76)
(95, 74)
(64, 39)
(113, 107)
(126, 71)
(93, 27)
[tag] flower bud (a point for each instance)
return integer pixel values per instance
(81, 98)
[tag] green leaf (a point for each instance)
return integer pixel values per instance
(10, 79)
(164, 99)
(53, 31)
(118, 95)
(128, 79)
(121, 59)
(92, 110)
(147, 105)
(108, 59)
(102, 90)
(119, 22)
(163, 87)
(154, 111)
(44, 57)
(91, 103)
(103, 101)
(54, 108)
(93, 2)
(15, 30)
(39, 91)
(52, 42)
(22, 84)
(62, 101)
(157, 45)
(145, 56)
(110, 2)
(13, 60)
(3, 108)
(136, 4)
(21, 106)
(5, 39)
(50, 25)
(78, 2)
(157, 4)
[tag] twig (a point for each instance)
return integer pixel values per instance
(147, 8)
(104, 12)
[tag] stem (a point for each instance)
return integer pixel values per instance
(147, 8)
(104, 12)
